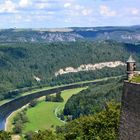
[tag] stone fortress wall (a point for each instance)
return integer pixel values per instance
(130, 112)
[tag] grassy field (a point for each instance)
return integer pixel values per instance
(43, 116)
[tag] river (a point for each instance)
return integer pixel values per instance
(7, 108)
(2, 124)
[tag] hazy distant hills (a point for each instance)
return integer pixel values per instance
(122, 34)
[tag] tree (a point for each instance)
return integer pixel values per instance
(58, 97)
(55, 56)
(18, 126)
(91, 100)
(5, 135)
(19, 120)
(29, 135)
(102, 126)
(33, 103)
(46, 135)
(48, 98)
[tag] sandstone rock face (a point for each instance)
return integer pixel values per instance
(89, 67)
(130, 112)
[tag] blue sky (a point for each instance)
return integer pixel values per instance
(68, 13)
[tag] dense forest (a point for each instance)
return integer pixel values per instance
(88, 75)
(102, 126)
(94, 98)
(21, 62)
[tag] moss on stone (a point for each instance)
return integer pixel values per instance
(136, 79)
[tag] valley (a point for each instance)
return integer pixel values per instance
(45, 112)
(69, 70)
(10, 106)
(19, 64)
(44, 115)
(86, 65)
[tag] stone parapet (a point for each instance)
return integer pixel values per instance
(130, 112)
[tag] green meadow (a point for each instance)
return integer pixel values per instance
(43, 116)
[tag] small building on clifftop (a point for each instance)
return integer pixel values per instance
(131, 67)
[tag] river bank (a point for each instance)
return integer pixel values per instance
(9, 107)
(7, 125)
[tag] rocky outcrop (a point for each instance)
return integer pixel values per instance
(122, 34)
(89, 67)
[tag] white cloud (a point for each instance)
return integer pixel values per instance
(86, 12)
(78, 7)
(8, 7)
(135, 11)
(68, 12)
(25, 3)
(77, 10)
(130, 12)
(42, 5)
(106, 11)
(67, 5)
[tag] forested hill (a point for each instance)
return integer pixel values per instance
(22, 63)
(94, 98)
(122, 34)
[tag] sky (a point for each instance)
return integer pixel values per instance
(68, 13)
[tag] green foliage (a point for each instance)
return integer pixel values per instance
(19, 120)
(48, 98)
(18, 127)
(59, 97)
(43, 116)
(136, 79)
(56, 98)
(20, 62)
(33, 103)
(43, 135)
(29, 135)
(102, 126)
(93, 99)
(90, 75)
(5, 135)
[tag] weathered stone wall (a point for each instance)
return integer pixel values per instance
(130, 112)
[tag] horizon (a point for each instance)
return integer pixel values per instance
(29, 28)
(68, 13)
